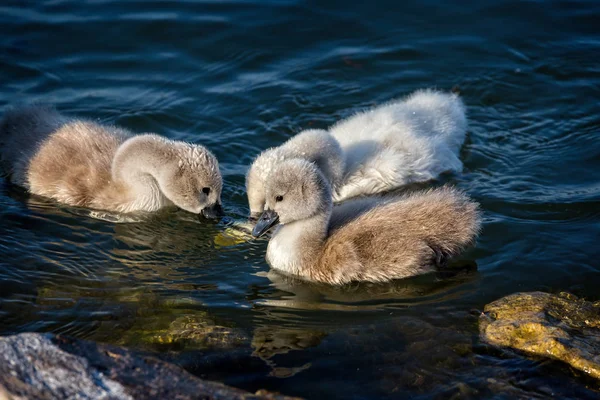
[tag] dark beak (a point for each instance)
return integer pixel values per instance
(212, 212)
(265, 222)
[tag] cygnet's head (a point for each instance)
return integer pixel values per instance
(192, 180)
(314, 145)
(296, 190)
(256, 179)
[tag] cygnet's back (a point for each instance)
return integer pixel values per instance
(424, 113)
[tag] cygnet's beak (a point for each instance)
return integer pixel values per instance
(213, 211)
(265, 222)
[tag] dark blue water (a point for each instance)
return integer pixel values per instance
(240, 76)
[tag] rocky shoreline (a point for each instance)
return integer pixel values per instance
(47, 366)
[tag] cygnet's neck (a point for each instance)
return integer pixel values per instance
(136, 167)
(295, 247)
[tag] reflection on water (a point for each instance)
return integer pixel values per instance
(239, 77)
(269, 341)
(363, 296)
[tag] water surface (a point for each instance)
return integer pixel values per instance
(240, 76)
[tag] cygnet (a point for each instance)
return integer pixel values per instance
(410, 140)
(392, 239)
(83, 163)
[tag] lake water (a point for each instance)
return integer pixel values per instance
(240, 76)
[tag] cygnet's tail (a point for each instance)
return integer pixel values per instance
(455, 221)
(445, 111)
(445, 218)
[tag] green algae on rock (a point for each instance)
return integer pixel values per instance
(193, 331)
(562, 327)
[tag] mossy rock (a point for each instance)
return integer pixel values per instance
(561, 327)
(197, 331)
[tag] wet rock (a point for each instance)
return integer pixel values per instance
(562, 327)
(196, 331)
(44, 366)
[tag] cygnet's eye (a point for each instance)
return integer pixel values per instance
(279, 198)
(206, 190)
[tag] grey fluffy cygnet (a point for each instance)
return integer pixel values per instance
(82, 163)
(377, 242)
(414, 139)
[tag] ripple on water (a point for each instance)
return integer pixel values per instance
(241, 76)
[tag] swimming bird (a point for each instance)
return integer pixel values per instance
(82, 163)
(392, 239)
(410, 140)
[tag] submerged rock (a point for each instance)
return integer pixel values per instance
(143, 319)
(561, 327)
(45, 366)
(198, 331)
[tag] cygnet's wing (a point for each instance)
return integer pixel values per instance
(347, 211)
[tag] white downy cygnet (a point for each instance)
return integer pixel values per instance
(314, 145)
(410, 140)
(391, 239)
(82, 163)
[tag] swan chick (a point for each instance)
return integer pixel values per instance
(82, 163)
(408, 140)
(314, 145)
(398, 238)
